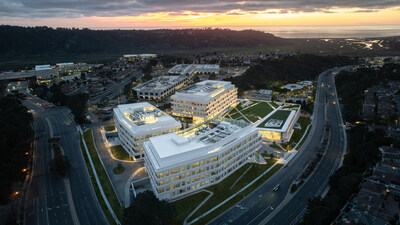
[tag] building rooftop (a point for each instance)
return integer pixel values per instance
(160, 83)
(265, 92)
(202, 139)
(277, 120)
(203, 91)
(293, 86)
(306, 83)
(183, 69)
(28, 73)
(139, 117)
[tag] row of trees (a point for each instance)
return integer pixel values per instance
(16, 136)
(77, 103)
(266, 73)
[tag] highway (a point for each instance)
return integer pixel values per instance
(115, 89)
(49, 198)
(265, 206)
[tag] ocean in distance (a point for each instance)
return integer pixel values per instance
(301, 31)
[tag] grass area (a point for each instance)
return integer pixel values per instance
(119, 153)
(290, 106)
(304, 139)
(236, 199)
(102, 174)
(119, 170)
(253, 112)
(96, 187)
(275, 146)
(287, 146)
(274, 104)
(224, 189)
(109, 128)
(186, 205)
(297, 134)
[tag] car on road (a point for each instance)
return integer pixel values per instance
(334, 103)
(68, 124)
(276, 188)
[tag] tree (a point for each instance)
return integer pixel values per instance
(16, 136)
(128, 89)
(60, 164)
(77, 104)
(147, 209)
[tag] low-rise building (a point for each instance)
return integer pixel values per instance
(160, 87)
(278, 125)
(204, 100)
(190, 69)
(137, 122)
(186, 161)
(263, 94)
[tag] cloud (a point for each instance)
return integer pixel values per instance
(366, 11)
(106, 8)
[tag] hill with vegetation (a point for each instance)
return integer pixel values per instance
(25, 41)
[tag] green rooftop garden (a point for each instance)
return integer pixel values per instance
(253, 112)
(278, 115)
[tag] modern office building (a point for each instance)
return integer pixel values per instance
(186, 161)
(204, 100)
(137, 122)
(160, 87)
(278, 125)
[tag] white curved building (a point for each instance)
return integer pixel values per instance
(186, 161)
(137, 122)
(204, 100)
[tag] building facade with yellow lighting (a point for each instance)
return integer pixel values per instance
(204, 100)
(183, 162)
(278, 125)
(137, 122)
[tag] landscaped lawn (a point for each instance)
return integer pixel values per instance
(297, 134)
(224, 189)
(109, 128)
(274, 104)
(236, 199)
(119, 170)
(119, 153)
(96, 187)
(253, 112)
(102, 175)
(186, 205)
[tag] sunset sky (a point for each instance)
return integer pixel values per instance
(213, 13)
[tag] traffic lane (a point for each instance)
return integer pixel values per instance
(265, 193)
(314, 185)
(294, 175)
(85, 201)
(289, 173)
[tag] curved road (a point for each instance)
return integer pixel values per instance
(264, 206)
(49, 199)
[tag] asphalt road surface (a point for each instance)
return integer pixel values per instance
(265, 206)
(49, 198)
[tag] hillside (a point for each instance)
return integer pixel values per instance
(32, 41)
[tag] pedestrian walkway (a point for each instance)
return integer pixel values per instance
(119, 181)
